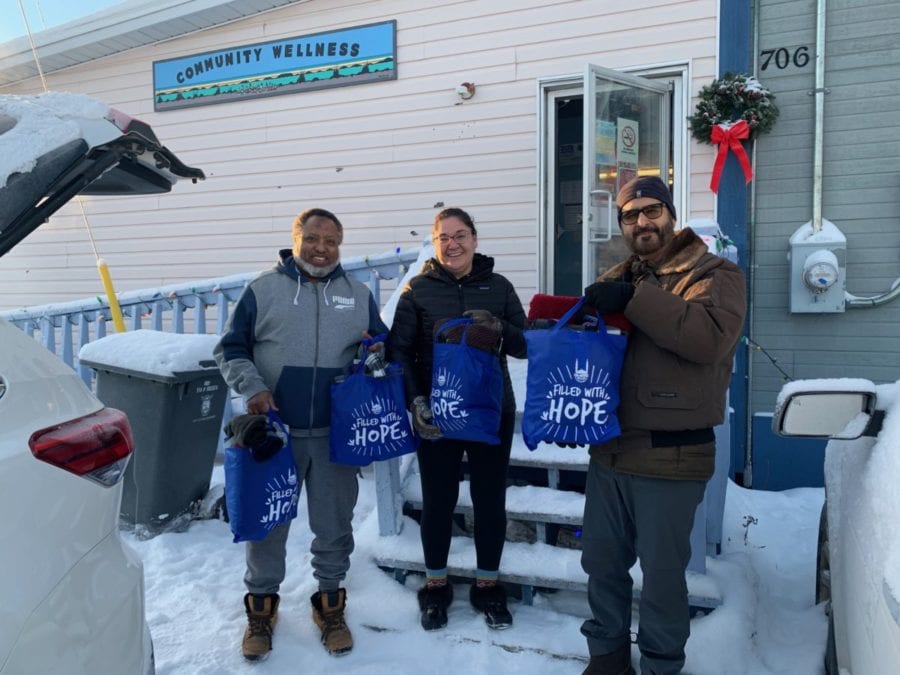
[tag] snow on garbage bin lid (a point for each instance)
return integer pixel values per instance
(155, 354)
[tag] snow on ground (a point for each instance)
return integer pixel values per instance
(767, 623)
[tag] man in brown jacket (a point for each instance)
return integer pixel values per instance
(687, 307)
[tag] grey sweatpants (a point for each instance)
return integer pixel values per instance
(628, 517)
(331, 491)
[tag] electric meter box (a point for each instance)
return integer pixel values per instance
(818, 269)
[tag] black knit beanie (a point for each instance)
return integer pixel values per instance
(645, 186)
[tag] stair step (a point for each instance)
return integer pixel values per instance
(531, 566)
(537, 564)
(528, 502)
(548, 456)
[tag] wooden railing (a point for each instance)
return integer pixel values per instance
(202, 305)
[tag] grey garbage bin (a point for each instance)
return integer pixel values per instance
(176, 419)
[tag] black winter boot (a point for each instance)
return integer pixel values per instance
(613, 663)
(492, 601)
(433, 602)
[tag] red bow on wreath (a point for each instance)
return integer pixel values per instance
(730, 137)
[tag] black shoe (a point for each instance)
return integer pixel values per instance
(434, 601)
(617, 662)
(492, 601)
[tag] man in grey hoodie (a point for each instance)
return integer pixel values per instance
(294, 328)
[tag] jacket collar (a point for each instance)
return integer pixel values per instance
(685, 253)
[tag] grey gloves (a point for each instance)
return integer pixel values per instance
(422, 419)
(608, 296)
(484, 318)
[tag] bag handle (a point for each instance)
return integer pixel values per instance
(366, 343)
(276, 419)
(369, 341)
(601, 326)
(452, 323)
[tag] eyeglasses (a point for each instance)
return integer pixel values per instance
(459, 238)
(652, 211)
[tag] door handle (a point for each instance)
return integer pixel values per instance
(609, 218)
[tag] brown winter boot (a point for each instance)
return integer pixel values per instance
(262, 612)
(328, 613)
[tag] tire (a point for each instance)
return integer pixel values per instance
(831, 664)
(823, 562)
(823, 591)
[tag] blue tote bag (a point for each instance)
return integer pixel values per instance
(572, 385)
(466, 388)
(368, 418)
(261, 495)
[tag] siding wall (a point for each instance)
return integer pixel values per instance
(861, 191)
(381, 156)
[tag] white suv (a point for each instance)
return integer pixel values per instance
(858, 566)
(73, 591)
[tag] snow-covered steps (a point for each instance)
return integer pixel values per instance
(553, 464)
(530, 566)
(526, 502)
(548, 456)
(525, 564)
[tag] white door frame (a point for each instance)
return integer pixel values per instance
(549, 89)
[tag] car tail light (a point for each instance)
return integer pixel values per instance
(120, 119)
(96, 446)
(130, 125)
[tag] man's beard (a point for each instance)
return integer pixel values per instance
(664, 234)
(313, 270)
(642, 247)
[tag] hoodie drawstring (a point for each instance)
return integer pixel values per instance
(324, 290)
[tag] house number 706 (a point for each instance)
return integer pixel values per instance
(783, 57)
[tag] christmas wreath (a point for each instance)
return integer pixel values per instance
(729, 99)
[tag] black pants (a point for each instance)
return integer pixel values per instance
(439, 466)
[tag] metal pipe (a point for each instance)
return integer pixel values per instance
(855, 301)
(751, 284)
(819, 137)
(851, 301)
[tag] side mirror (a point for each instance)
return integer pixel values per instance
(838, 409)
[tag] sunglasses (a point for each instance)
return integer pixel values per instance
(652, 211)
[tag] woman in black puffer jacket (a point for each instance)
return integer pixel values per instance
(455, 282)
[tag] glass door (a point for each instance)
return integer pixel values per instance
(625, 133)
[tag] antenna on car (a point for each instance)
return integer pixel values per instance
(34, 54)
(102, 268)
